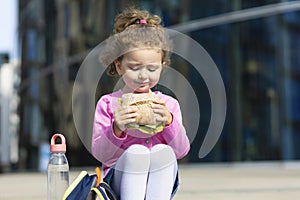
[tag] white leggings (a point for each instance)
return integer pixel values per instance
(141, 173)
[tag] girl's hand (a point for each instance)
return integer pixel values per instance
(163, 114)
(123, 116)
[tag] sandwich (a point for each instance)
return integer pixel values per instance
(146, 120)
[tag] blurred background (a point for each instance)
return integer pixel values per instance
(254, 43)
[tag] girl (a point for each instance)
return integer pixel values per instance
(137, 165)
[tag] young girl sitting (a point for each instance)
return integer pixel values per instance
(139, 165)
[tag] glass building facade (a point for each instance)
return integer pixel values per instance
(255, 45)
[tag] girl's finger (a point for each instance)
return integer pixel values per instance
(156, 106)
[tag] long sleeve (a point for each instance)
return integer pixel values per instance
(175, 134)
(106, 147)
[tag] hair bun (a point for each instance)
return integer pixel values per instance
(133, 16)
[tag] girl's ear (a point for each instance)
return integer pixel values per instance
(118, 67)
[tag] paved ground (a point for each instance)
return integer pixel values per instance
(238, 181)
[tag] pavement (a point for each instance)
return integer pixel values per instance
(234, 181)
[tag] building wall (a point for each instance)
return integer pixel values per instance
(9, 119)
(257, 58)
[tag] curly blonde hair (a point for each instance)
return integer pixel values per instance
(132, 16)
(129, 33)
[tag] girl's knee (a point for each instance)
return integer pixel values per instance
(161, 147)
(164, 151)
(137, 149)
(162, 156)
(136, 159)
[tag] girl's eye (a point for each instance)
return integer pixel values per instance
(134, 68)
(152, 68)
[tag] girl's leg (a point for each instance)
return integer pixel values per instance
(162, 173)
(131, 172)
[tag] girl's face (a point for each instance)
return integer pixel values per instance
(140, 69)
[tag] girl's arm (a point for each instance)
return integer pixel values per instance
(106, 146)
(175, 134)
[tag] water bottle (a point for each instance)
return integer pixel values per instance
(58, 169)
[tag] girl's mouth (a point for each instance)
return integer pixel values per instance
(143, 84)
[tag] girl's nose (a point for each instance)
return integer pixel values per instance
(143, 75)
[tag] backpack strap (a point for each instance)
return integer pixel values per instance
(100, 193)
(110, 193)
(98, 174)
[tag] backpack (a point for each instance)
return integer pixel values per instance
(89, 187)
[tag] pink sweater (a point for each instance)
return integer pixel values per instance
(107, 148)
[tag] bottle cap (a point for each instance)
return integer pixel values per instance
(58, 147)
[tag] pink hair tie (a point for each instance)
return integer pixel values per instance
(143, 21)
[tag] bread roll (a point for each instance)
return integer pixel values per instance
(143, 102)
